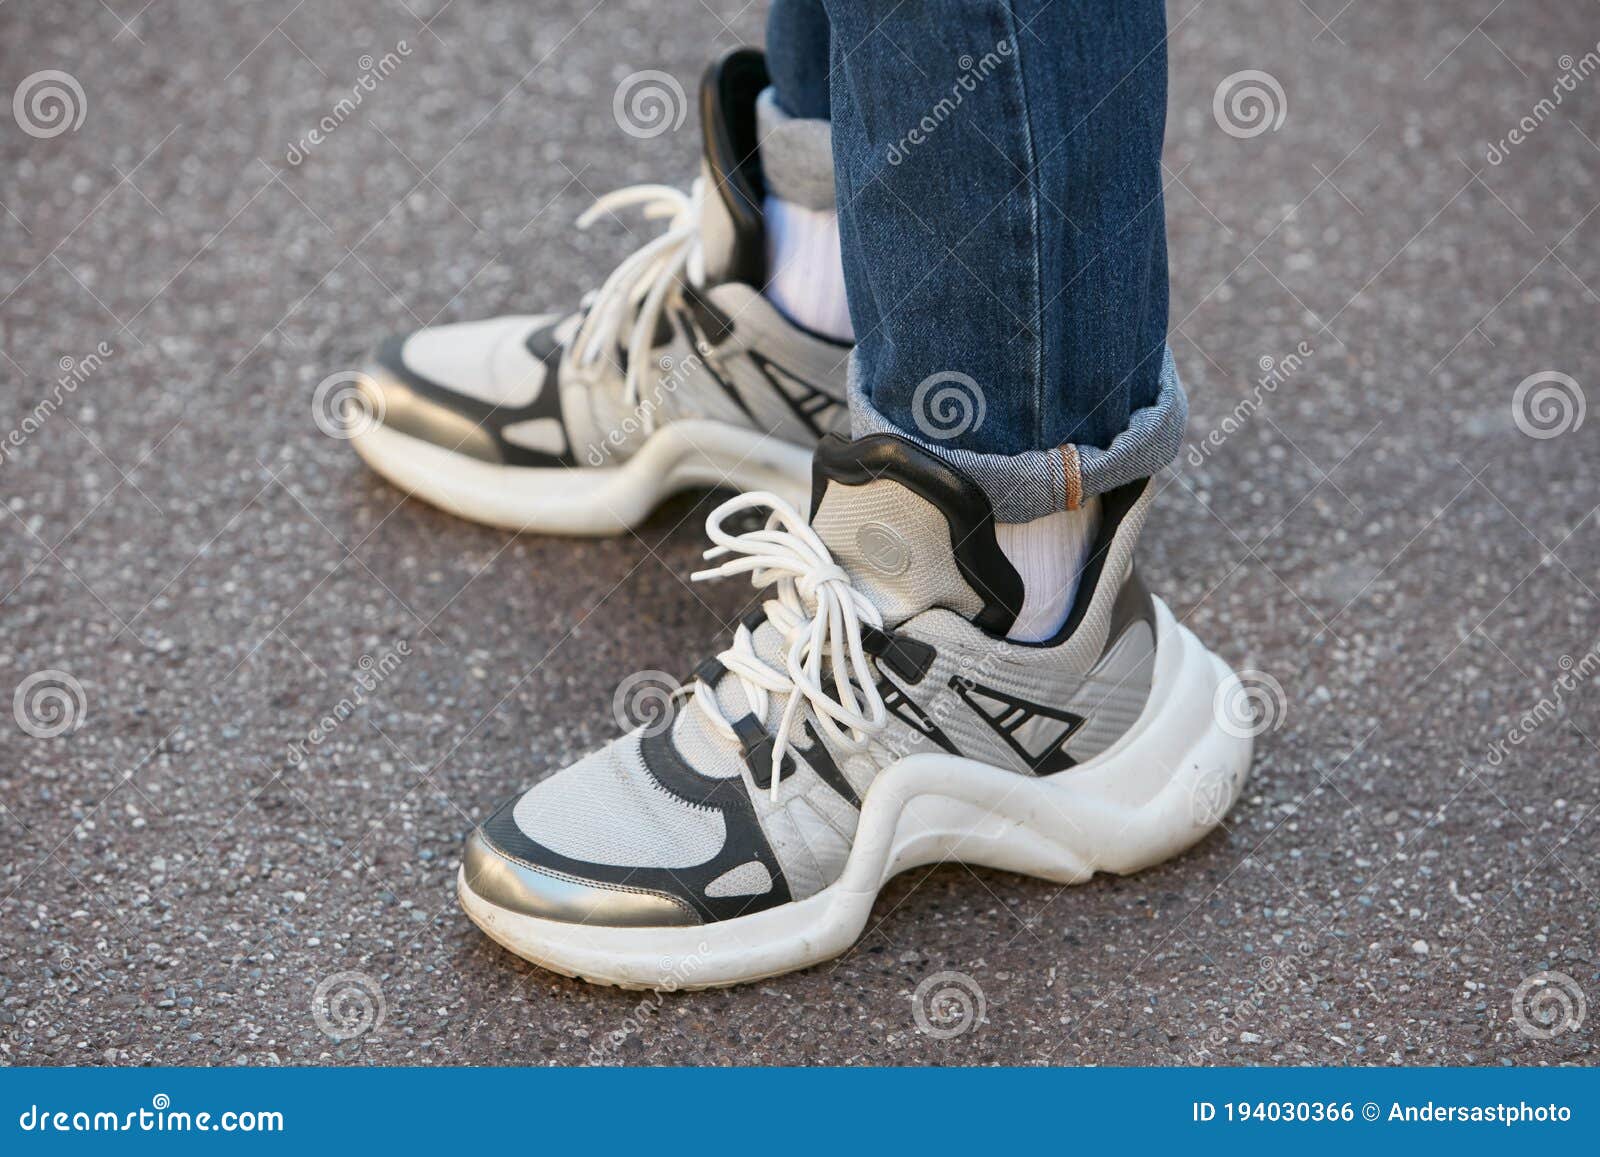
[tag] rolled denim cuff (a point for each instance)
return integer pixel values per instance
(1030, 485)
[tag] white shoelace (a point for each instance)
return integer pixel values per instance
(819, 613)
(632, 299)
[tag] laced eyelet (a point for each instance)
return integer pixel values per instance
(822, 620)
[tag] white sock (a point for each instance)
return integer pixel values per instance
(807, 271)
(1049, 554)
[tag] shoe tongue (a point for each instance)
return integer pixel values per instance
(732, 231)
(912, 531)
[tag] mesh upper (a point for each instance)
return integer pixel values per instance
(608, 809)
(748, 879)
(487, 360)
(920, 569)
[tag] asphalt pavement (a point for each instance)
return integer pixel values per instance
(1383, 306)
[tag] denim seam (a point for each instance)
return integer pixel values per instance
(1030, 176)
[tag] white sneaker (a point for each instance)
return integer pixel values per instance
(869, 717)
(675, 373)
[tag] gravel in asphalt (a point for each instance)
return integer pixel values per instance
(1376, 532)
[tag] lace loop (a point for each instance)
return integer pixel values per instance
(629, 304)
(818, 612)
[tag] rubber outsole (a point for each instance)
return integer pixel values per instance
(589, 500)
(1157, 791)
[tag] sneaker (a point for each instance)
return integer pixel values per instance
(677, 372)
(868, 717)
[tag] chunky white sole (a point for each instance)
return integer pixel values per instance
(1166, 783)
(590, 500)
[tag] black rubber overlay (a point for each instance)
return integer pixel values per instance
(821, 761)
(710, 324)
(745, 841)
(697, 340)
(490, 418)
(757, 745)
(907, 657)
(710, 672)
(1006, 715)
(965, 507)
(908, 711)
(728, 94)
(816, 408)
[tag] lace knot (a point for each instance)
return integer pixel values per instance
(817, 611)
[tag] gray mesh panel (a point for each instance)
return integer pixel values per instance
(607, 809)
(925, 576)
(751, 879)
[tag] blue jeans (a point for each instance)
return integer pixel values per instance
(998, 166)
